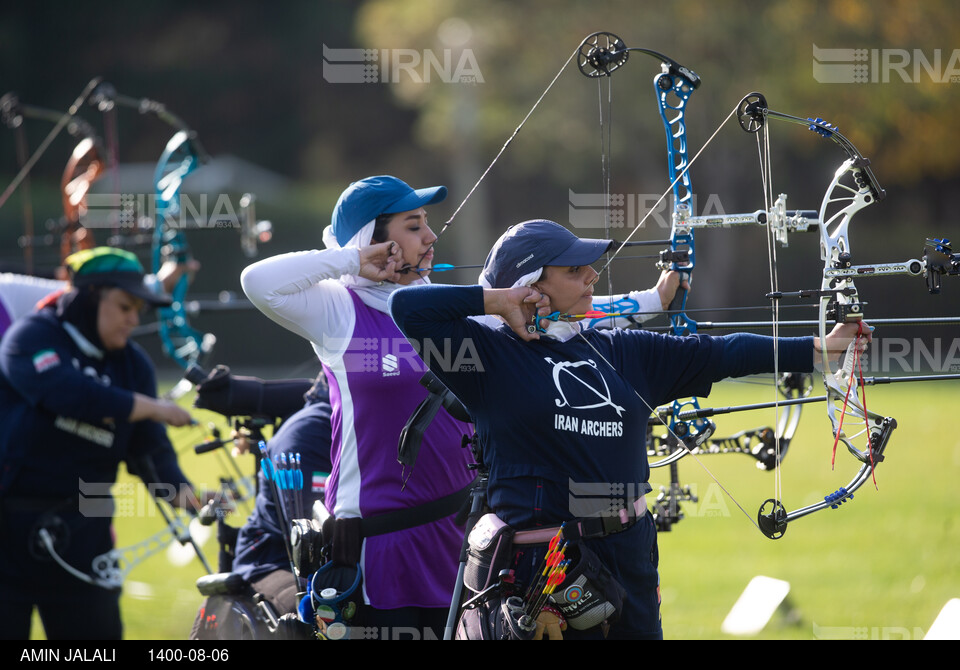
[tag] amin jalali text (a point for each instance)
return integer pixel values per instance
(68, 655)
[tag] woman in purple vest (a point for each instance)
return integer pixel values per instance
(337, 299)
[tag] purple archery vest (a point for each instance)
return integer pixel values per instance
(378, 385)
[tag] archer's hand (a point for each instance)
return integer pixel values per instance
(172, 414)
(162, 411)
(550, 625)
(668, 284)
(381, 262)
(842, 335)
(516, 306)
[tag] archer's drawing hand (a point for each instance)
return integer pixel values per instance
(517, 306)
(381, 262)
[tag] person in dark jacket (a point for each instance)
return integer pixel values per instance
(77, 398)
(562, 414)
(261, 554)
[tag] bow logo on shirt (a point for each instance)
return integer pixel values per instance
(588, 381)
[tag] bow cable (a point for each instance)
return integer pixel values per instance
(682, 449)
(52, 135)
(766, 177)
(510, 139)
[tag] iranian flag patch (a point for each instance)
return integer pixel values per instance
(46, 359)
(318, 483)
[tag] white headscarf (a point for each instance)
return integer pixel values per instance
(373, 294)
(558, 330)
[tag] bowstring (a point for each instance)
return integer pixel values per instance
(680, 443)
(766, 177)
(496, 158)
(606, 172)
(668, 191)
(682, 446)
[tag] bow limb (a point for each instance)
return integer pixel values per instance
(773, 518)
(852, 188)
(111, 568)
(83, 168)
(180, 157)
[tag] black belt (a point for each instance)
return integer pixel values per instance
(587, 527)
(411, 517)
(346, 535)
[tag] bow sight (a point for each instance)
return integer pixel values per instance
(940, 260)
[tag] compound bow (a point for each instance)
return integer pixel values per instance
(852, 188)
(83, 168)
(688, 429)
(167, 224)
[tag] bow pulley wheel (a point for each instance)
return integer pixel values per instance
(600, 54)
(772, 518)
(751, 112)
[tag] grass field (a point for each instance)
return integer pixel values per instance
(880, 567)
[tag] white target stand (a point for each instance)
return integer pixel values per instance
(947, 624)
(762, 598)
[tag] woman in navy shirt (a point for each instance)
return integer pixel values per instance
(562, 414)
(77, 398)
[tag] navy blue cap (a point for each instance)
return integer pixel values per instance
(530, 245)
(365, 200)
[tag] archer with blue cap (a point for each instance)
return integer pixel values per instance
(562, 416)
(77, 398)
(366, 200)
(336, 298)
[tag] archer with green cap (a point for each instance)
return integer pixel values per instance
(77, 398)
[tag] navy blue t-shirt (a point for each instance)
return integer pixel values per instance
(564, 422)
(63, 412)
